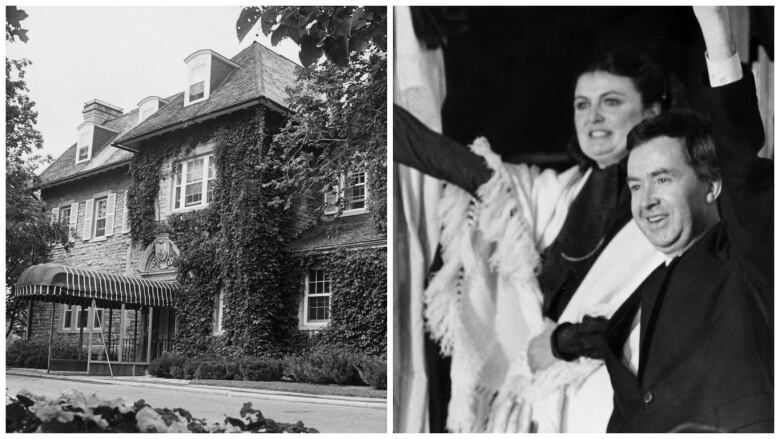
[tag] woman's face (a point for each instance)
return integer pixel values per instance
(606, 107)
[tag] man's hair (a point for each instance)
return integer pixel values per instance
(692, 129)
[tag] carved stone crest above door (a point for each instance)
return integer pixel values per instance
(159, 256)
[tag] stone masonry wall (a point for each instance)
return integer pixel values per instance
(109, 253)
(41, 326)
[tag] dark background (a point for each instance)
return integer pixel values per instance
(511, 70)
(511, 73)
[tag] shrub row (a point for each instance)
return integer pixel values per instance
(321, 366)
(35, 353)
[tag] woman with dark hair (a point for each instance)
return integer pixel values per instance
(528, 252)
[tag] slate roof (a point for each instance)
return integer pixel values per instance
(349, 231)
(263, 73)
(64, 166)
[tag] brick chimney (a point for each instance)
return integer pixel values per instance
(98, 112)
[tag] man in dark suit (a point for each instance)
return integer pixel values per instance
(693, 345)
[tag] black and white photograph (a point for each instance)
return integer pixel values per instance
(196, 219)
(583, 229)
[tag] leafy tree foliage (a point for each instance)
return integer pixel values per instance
(340, 107)
(333, 31)
(13, 27)
(339, 125)
(29, 230)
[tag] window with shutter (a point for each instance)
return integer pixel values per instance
(101, 214)
(125, 215)
(73, 221)
(65, 216)
(87, 233)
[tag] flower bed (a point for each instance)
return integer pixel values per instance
(76, 412)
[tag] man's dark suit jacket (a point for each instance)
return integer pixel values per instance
(706, 324)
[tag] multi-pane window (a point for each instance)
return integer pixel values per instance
(212, 175)
(355, 191)
(83, 148)
(83, 153)
(67, 317)
(349, 195)
(83, 318)
(193, 187)
(65, 215)
(194, 182)
(197, 82)
(317, 304)
(76, 317)
(101, 213)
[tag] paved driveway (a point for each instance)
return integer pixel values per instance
(327, 416)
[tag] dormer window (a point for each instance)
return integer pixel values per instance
(198, 82)
(84, 146)
(206, 69)
(148, 107)
(198, 69)
(93, 135)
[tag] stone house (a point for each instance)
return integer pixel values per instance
(89, 185)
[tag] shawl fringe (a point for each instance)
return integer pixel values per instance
(483, 240)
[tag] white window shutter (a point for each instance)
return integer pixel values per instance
(74, 217)
(125, 216)
(88, 220)
(332, 200)
(110, 208)
(55, 215)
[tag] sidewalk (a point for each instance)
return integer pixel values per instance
(185, 385)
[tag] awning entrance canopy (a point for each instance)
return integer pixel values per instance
(63, 284)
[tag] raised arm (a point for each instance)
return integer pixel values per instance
(715, 25)
(431, 153)
(746, 201)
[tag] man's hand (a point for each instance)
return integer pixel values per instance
(715, 25)
(540, 354)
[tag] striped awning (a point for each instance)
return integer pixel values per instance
(63, 284)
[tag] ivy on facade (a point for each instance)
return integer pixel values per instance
(358, 307)
(252, 239)
(236, 246)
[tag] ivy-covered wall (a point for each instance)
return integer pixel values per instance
(237, 245)
(358, 305)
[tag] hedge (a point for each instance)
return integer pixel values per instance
(319, 366)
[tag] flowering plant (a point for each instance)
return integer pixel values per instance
(76, 412)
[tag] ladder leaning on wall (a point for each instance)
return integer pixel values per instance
(92, 312)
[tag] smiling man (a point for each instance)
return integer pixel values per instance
(693, 344)
(674, 180)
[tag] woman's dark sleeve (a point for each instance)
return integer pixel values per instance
(431, 153)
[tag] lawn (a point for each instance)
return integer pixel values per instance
(311, 389)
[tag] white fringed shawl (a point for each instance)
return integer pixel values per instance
(484, 305)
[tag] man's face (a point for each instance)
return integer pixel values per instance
(670, 204)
